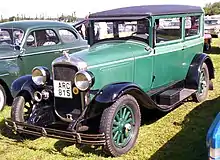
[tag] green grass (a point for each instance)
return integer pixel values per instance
(177, 135)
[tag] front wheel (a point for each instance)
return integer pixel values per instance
(120, 122)
(203, 86)
(21, 109)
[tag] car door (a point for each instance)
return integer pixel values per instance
(41, 48)
(143, 71)
(168, 57)
(194, 39)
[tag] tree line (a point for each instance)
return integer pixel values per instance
(212, 8)
(67, 18)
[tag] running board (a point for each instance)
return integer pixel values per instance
(176, 96)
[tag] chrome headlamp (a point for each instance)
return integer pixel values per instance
(40, 75)
(84, 80)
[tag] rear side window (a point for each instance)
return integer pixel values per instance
(168, 29)
(192, 25)
(42, 38)
(67, 36)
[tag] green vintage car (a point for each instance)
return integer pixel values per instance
(25, 44)
(137, 59)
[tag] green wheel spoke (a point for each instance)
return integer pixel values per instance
(117, 117)
(124, 112)
(122, 138)
(127, 115)
(118, 138)
(115, 129)
(115, 123)
(129, 120)
(120, 113)
(115, 136)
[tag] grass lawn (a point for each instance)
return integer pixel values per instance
(177, 135)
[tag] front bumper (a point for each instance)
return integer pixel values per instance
(88, 139)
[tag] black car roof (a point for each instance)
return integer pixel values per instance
(146, 11)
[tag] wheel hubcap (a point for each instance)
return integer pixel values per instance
(2, 99)
(123, 126)
(202, 83)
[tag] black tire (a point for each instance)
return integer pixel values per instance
(107, 120)
(201, 96)
(17, 110)
(2, 97)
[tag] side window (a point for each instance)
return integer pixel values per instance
(168, 29)
(67, 36)
(42, 38)
(192, 25)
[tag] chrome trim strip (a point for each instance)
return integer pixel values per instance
(4, 74)
(57, 50)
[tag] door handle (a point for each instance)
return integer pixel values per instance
(183, 47)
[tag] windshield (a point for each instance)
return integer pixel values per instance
(137, 29)
(211, 22)
(10, 37)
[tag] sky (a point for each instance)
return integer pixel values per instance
(54, 8)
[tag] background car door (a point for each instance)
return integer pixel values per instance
(41, 48)
(168, 59)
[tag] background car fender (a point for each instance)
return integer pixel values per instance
(106, 96)
(23, 84)
(192, 78)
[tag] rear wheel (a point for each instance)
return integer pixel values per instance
(120, 123)
(2, 97)
(203, 87)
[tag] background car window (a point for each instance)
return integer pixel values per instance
(10, 36)
(67, 36)
(168, 29)
(42, 38)
(192, 25)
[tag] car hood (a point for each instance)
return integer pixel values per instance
(106, 52)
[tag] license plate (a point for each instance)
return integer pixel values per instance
(62, 89)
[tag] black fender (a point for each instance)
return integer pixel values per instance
(106, 96)
(23, 84)
(192, 78)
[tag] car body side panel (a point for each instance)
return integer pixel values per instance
(10, 69)
(168, 64)
(191, 48)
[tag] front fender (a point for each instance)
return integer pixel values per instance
(106, 96)
(192, 78)
(22, 84)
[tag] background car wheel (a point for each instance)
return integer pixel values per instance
(203, 87)
(2, 98)
(120, 123)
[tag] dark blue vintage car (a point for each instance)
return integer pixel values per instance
(213, 139)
